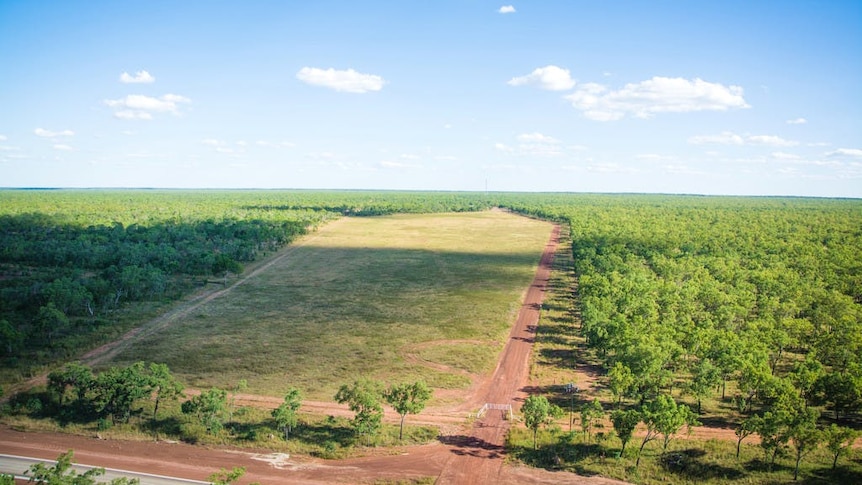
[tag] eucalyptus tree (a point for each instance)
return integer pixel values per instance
(407, 399)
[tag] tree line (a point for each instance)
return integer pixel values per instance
(116, 395)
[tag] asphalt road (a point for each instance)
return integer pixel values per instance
(17, 465)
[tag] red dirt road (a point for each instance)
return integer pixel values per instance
(474, 456)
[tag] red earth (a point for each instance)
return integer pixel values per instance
(464, 454)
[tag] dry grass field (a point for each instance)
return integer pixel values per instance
(395, 298)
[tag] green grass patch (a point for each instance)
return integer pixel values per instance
(686, 461)
(353, 298)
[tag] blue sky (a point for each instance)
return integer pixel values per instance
(740, 98)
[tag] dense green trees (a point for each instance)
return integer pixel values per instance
(757, 301)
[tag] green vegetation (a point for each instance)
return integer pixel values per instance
(741, 313)
(81, 267)
(407, 398)
(61, 473)
(75, 402)
(362, 297)
(748, 309)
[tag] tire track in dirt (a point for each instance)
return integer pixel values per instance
(110, 350)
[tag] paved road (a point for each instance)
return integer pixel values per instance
(17, 465)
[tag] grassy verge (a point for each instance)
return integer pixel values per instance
(322, 436)
(686, 461)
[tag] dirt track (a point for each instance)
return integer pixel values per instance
(464, 455)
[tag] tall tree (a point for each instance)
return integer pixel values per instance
(407, 399)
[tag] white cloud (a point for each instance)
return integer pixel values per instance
(770, 140)
(730, 138)
(797, 121)
(128, 114)
(653, 157)
(552, 78)
(2, 137)
(283, 144)
(140, 77)
(506, 9)
(51, 134)
(536, 138)
(65, 148)
(393, 164)
(533, 144)
(656, 95)
(348, 81)
(785, 156)
(141, 107)
(846, 152)
(725, 138)
(219, 145)
(504, 148)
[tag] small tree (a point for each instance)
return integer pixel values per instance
(407, 399)
(209, 408)
(772, 429)
(164, 385)
(63, 474)
(285, 415)
(804, 435)
(225, 477)
(746, 429)
(364, 398)
(240, 386)
(663, 416)
(537, 412)
(838, 439)
(625, 423)
(589, 413)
